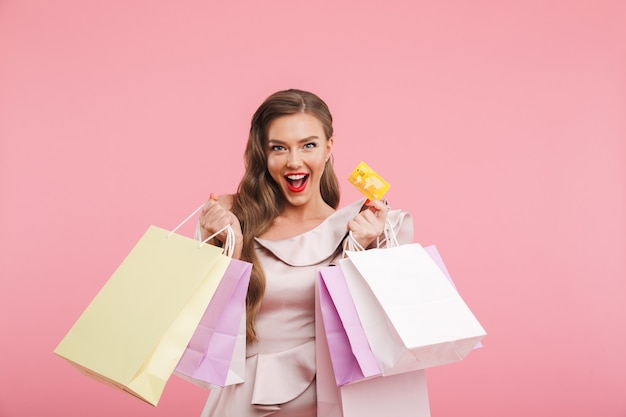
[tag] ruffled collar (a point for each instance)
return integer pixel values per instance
(318, 244)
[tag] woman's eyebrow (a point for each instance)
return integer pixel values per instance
(281, 142)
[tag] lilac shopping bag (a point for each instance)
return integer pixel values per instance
(215, 354)
(350, 353)
(402, 395)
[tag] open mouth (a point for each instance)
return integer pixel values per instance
(296, 182)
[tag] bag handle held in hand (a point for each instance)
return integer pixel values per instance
(229, 244)
(390, 240)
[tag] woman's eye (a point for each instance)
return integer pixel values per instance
(277, 148)
(310, 145)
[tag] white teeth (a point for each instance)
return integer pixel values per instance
(296, 177)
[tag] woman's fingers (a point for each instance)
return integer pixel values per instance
(369, 223)
(214, 217)
(377, 206)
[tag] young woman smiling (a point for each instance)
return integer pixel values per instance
(287, 225)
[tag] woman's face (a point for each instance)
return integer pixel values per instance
(297, 153)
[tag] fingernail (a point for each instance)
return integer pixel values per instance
(212, 197)
(367, 201)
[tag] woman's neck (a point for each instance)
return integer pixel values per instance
(295, 220)
(310, 212)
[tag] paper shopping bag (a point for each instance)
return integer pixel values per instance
(402, 395)
(216, 353)
(412, 315)
(433, 252)
(133, 333)
(350, 353)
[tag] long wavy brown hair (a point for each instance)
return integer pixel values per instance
(259, 200)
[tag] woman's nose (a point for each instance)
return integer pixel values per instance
(294, 160)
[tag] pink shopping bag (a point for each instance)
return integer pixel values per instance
(403, 395)
(350, 353)
(215, 354)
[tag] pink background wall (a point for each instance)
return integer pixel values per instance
(501, 126)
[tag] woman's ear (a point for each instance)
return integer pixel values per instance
(329, 147)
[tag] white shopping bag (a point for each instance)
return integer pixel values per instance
(412, 315)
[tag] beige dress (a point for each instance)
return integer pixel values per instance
(280, 366)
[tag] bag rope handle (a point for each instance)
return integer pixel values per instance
(229, 244)
(390, 240)
(186, 220)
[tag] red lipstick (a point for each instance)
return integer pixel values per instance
(297, 181)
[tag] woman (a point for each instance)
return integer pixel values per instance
(286, 224)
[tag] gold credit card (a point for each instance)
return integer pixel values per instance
(368, 182)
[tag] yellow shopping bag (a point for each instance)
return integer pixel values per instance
(133, 333)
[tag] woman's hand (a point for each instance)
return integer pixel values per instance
(215, 216)
(369, 223)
